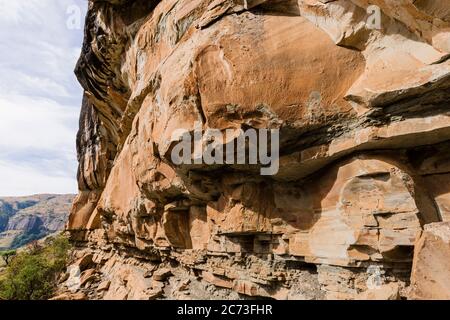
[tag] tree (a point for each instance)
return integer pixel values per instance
(7, 256)
(33, 273)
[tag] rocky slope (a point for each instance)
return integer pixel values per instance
(24, 219)
(360, 93)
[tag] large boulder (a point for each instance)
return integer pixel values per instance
(430, 278)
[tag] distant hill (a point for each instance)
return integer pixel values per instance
(24, 219)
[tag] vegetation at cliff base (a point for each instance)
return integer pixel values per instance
(32, 273)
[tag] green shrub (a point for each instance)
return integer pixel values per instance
(32, 274)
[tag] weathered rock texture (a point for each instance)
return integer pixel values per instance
(431, 266)
(364, 119)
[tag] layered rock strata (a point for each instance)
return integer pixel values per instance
(26, 219)
(359, 91)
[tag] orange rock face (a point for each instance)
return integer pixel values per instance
(360, 96)
(431, 270)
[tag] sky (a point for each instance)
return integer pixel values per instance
(40, 99)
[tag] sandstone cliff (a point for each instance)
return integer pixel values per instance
(24, 219)
(360, 94)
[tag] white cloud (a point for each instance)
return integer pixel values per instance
(36, 123)
(22, 180)
(39, 96)
(28, 84)
(21, 11)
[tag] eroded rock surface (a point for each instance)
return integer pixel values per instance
(362, 105)
(431, 270)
